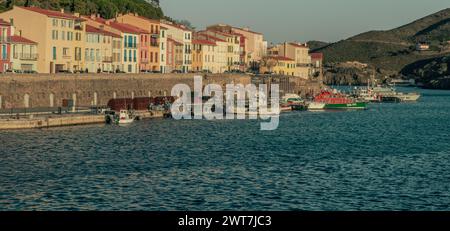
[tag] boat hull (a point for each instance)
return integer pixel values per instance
(357, 105)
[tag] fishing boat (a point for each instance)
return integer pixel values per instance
(336, 100)
(291, 102)
(124, 117)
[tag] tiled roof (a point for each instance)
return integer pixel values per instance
(20, 39)
(208, 37)
(243, 29)
(51, 13)
(204, 42)
(316, 55)
(127, 28)
(4, 23)
(176, 26)
(91, 29)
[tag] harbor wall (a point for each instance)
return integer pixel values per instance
(46, 90)
(84, 90)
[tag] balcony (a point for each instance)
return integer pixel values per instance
(26, 56)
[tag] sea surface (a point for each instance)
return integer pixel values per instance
(389, 157)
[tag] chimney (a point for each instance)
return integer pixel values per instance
(20, 33)
(136, 14)
(76, 14)
(93, 16)
(108, 22)
(62, 10)
(98, 15)
(102, 27)
(11, 21)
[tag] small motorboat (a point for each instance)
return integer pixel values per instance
(125, 117)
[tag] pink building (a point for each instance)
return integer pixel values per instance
(5, 45)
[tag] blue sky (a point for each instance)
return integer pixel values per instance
(303, 20)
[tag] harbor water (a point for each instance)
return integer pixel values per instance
(389, 157)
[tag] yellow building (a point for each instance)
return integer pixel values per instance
(59, 35)
(253, 48)
(299, 53)
(203, 55)
(98, 54)
(218, 54)
(23, 55)
(116, 45)
(233, 47)
(278, 65)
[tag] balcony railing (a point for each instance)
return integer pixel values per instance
(25, 56)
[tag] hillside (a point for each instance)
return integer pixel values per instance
(434, 72)
(393, 49)
(106, 8)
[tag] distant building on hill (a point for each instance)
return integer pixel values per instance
(422, 46)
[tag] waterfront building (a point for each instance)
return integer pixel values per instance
(254, 47)
(174, 61)
(317, 63)
(116, 45)
(99, 49)
(233, 52)
(24, 54)
(130, 45)
(5, 46)
(203, 55)
(299, 53)
(219, 53)
(181, 34)
(150, 49)
(163, 49)
(278, 65)
(60, 36)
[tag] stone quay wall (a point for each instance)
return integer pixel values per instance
(19, 91)
(49, 91)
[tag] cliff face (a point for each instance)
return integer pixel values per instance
(433, 73)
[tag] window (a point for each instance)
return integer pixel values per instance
(54, 53)
(134, 42)
(156, 57)
(55, 22)
(163, 34)
(151, 57)
(54, 34)
(125, 56)
(63, 35)
(125, 41)
(65, 51)
(134, 55)
(4, 52)
(86, 54)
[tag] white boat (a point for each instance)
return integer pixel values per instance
(315, 106)
(125, 117)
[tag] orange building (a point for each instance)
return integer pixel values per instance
(150, 49)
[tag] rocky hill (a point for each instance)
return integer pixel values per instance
(392, 50)
(106, 8)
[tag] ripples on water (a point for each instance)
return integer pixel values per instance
(391, 157)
